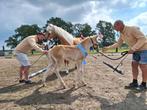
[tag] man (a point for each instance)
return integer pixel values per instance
(137, 42)
(21, 50)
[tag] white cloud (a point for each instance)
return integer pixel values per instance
(63, 10)
(139, 4)
(96, 13)
(18, 13)
(141, 21)
(116, 2)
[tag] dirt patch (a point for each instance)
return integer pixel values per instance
(104, 90)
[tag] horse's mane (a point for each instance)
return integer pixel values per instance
(63, 33)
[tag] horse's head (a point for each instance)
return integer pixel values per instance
(95, 40)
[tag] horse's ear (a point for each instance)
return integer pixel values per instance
(50, 28)
(49, 24)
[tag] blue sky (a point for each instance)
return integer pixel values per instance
(14, 13)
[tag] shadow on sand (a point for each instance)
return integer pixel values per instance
(54, 97)
(131, 102)
(20, 86)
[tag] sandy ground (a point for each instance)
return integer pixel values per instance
(104, 90)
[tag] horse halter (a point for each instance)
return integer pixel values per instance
(94, 45)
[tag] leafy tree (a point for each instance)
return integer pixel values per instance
(106, 29)
(12, 41)
(84, 29)
(20, 33)
(27, 30)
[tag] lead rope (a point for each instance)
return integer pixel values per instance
(122, 55)
(37, 59)
(116, 68)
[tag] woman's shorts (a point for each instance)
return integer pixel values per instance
(140, 57)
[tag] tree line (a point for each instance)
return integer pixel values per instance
(103, 27)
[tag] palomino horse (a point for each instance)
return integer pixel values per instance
(53, 31)
(77, 54)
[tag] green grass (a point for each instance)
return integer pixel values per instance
(109, 51)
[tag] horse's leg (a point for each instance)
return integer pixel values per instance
(50, 69)
(66, 66)
(60, 78)
(58, 64)
(79, 75)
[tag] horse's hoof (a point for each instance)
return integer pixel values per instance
(83, 83)
(44, 85)
(75, 86)
(67, 72)
(65, 87)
